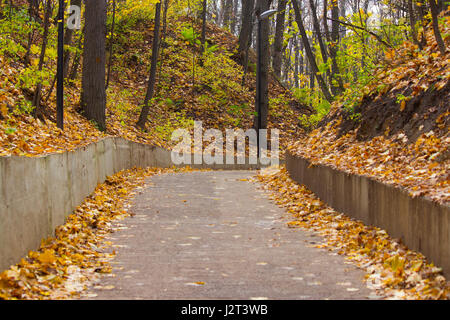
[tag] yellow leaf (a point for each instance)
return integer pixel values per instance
(390, 54)
(403, 105)
(416, 266)
(47, 257)
(293, 224)
(3, 110)
(395, 263)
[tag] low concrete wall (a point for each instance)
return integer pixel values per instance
(420, 223)
(37, 194)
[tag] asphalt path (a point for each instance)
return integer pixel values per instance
(216, 235)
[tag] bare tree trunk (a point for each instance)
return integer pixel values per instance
(163, 35)
(38, 112)
(33, 10)
(325, 20)
(333, 47)
(93, 92)
(34, 6)
(420, 9)
(246, 27)
(246, 53)
(216, 12)
(164, 29)
(286, 50)
(76, 60)
(68, 35)
(203, 36)
(309, 53)
(441, 5)
(437, 32)
(221, 12)
(364, 39)
(152, 79)
(68, 41)
(412, 22)
(278, 42)
(312, 78)
(264, 60)
(343, 12)
(302, 59)
(323, 49)
(296, 63)
(26, 58)
(111, 43)
(10, 10)
(227, 11)
(234, 17)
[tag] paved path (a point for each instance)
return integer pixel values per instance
(210, 235)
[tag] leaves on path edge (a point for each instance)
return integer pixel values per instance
(391, 268)
(65, 265)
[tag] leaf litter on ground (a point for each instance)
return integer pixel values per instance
(392, 270)
(75, 258)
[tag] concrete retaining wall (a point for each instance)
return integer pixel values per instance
(420, 223)
(37, 194)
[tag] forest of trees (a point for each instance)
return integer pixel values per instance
(317, 48)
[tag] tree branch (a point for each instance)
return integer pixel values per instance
(365, 30)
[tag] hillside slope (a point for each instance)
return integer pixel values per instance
(397, 130)
(187, 89)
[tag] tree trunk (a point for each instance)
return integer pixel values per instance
(68, 35)
(216, 12)
(76, 60)
(38, 112)
(302, 59)
(323, 49)
(262, 82)
(227, 11)
(163, 43)
(203, 36)
(278, 42)
(421, 11)
(412, 22)
(33, 11)
(437, 32)
(234, 14)
(221, 12)
(246, 27)
(441, 5)
(93, 92)
(164, 29)
(152, 79)
(68, 41)
(286, 50)
(296, 64)
(309, 53)
(325, 20)
(333, 47)
(111, 43)
(343, 12)
(246, 53)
